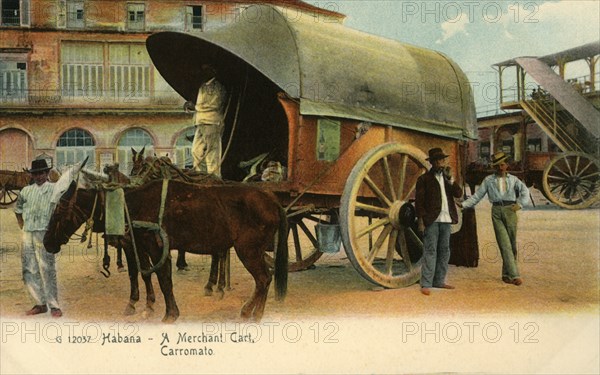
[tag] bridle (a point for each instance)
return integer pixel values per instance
(72, 212)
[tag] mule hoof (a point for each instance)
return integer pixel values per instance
(208, 292)
(147, 313)
(246, 312)
(183, 269)
(220, 294)
(169, 319)
(121, 269)
(129, 310)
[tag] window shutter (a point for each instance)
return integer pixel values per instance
(61, 14)
(25, 13)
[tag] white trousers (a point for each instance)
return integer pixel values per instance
(207, 148)
(39, 270)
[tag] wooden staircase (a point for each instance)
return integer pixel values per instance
(568, 133)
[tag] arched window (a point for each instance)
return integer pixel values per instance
(73, 146)
(183, 149)
(137, 139)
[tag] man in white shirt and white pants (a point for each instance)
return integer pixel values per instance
(33, 210)
(209, 122)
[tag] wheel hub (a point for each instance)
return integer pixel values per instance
(402, 214)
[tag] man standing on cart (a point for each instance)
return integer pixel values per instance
(209, 122)
(508, 195)
(436, 212)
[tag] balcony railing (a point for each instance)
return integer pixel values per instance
(59, 98)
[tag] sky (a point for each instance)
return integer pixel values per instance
(478, 34)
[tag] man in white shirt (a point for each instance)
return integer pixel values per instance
(436, 211)
(209, 122)
(508, 195)
(33, 210)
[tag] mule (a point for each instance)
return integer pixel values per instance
(199, 219)
(139, 167)
(112, 175)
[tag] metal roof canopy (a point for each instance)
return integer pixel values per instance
(331, 69)
(566, 56)
(563, 92)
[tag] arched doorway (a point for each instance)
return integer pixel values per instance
(16, 150)
(137, 139)
(73, 146)
(182, 155)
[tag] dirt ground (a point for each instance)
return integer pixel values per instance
(559, 262)
(342, 323)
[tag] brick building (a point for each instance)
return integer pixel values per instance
(76, 79)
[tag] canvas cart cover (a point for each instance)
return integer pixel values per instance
(331, 69)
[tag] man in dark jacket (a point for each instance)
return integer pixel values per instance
(436, 211)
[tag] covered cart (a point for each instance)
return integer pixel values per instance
(350, 115)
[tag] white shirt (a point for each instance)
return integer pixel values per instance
(34, 204)
(444, 216)
(210, 103)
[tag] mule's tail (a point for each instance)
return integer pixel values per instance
(281, 257)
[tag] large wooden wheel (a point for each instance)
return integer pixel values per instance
(302, 242)
(377, 218)
(572, 180)
(8, 195)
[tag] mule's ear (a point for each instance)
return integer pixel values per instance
(84, 162)
(142, 152)
(134, 152)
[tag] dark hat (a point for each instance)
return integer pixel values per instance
(498, 158)
(436, 154)
(39, 165)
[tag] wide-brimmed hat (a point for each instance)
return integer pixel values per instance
(436, 154)
(39, 165)
(498, 158)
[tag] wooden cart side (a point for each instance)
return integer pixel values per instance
(11, 182)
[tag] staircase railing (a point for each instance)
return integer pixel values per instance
(557, 123)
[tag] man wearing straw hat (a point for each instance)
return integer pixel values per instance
(33, 211)
(436, 212)
(508, 195)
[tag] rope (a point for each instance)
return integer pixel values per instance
(164, 237)
(237, 111)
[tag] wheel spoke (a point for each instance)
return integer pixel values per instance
(380, 240)
(412, 188)
(556, 186)
(297, 243)
(404, 248)
(389, 258)
(377, 191)
(589, 191)
(590, 175)
(558, 178)
(308, 234)
(579, 193)
(402, 177)
(577, 164)
(585, 168)
(561, 171)
(388, 178)
(568, 166)
(370, 208)
(372, 227)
